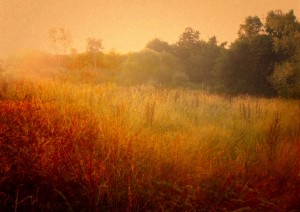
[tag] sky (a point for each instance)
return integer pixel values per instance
(125, 25)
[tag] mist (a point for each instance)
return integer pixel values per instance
(123, 25)
(149, 105)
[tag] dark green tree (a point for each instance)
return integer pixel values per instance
(286, 79)
(203, 61)
(245, 67)
(251, 27)
(189, 43)
(197, 56)
(159, 45)
(284, 29)
(285, 32)
(279, 24)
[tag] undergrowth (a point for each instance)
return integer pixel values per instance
(83, 147)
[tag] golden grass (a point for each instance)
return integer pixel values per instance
(102, 147)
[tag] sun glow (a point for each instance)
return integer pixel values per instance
(124, 25)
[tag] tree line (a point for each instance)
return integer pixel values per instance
(264, 60)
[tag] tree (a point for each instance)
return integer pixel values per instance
(285, 32)
(279, 24)
(197, 56)
(189, 42)
(53, 40)
(94, 46)
(60, 40)
(203, 61)
(159, 45)
(186, 49)
(251, 27)
(65, 39)
(189, 37)
(245, 67)
(149, 66)
(286, 79)
(113, 61)
(286, 75)
(212, 41)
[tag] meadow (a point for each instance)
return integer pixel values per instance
(101, 147)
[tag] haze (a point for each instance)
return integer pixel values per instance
(125, 25)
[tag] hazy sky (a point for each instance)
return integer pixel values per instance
(126, 25)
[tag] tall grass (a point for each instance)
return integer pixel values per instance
(91, 147)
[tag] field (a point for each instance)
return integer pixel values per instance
(86, 147)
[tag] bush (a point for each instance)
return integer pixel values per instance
(180, 79)
(148, 65)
